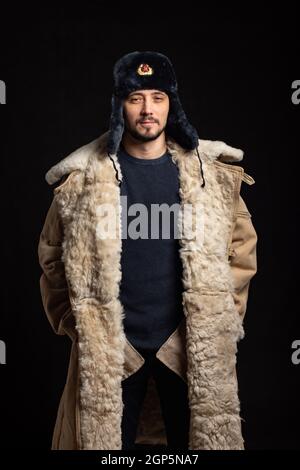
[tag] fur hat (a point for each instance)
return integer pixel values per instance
(141, 71)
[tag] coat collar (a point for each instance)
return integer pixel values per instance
(78, 160)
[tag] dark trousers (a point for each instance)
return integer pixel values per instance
(173, 395)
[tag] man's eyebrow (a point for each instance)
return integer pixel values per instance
(157, 92)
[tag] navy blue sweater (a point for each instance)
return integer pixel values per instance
(151, 286)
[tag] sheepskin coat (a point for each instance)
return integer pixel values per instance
(80, 293)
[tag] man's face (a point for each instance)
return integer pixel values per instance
(146, 114)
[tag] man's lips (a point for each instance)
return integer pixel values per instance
(146, 122)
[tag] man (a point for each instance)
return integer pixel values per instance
(154, 320)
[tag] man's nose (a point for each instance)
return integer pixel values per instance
(146, 108)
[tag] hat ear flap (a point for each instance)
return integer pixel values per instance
(116, 127)
(178, 126)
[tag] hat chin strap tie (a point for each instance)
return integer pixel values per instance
(201, 168)
(116, 169)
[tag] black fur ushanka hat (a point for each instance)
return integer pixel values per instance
(148, 70)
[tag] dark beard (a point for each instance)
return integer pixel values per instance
(143, 138)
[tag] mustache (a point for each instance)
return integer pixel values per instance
(145, 118)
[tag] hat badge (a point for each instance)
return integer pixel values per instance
(145, 69)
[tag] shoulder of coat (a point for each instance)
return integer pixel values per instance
(76, 161)
(218, 150)
(224, 155)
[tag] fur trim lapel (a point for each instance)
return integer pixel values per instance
(92, 268)
(213, 325)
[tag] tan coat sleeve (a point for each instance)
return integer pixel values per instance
(242, 254)
(53, 284)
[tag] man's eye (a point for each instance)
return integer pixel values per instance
(134, 100)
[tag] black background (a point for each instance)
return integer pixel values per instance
(235, 69)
